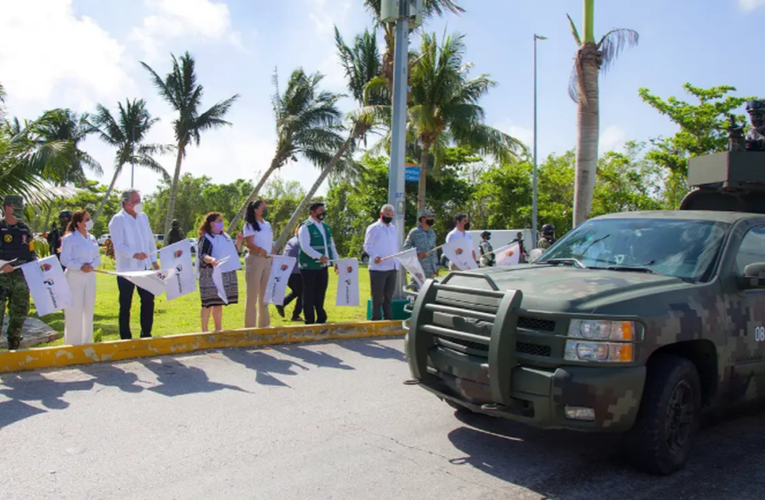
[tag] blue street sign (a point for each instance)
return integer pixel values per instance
(412, 174)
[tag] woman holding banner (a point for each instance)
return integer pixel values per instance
(80, 256)
(259, 240)
(215, 245)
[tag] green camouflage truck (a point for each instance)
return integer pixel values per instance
(636, 323)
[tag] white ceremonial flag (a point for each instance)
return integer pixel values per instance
(348, 282)
(229, 257)
(154, 281)
(47, 285)
(460, 252)
(411, 263)
(281, 269)
(217, 276)
(178, 257)
(508, 256)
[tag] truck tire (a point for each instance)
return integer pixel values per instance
(668, 418)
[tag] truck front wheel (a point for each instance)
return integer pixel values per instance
(669, 416)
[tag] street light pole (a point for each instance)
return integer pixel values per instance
(534, 200)
(132, 159)
(397, 174)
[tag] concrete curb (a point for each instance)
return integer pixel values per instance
(117, 350)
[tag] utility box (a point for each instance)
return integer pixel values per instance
(389, 11)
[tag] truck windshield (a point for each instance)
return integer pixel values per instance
(684, 249)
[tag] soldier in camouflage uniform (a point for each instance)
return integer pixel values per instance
(487, 251)
(755, 137)
(17, 247)
(548, 237)
(423, 238)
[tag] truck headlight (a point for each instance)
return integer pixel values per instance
(594, 345)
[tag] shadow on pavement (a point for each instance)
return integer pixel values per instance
(15, 411)
(264, 365)
(110, 375)
(316, 358)
(373, 349)
(177, 379)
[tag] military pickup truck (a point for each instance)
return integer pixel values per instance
(636, 323)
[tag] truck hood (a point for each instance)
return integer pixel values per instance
(567, 289)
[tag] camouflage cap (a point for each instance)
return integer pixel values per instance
(756, 105)
(14, 200)
(426, 213)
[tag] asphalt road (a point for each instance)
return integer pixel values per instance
(323, 421)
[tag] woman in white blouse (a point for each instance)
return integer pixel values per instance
(79, 253)
(259, 240)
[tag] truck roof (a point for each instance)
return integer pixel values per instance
(705, 215)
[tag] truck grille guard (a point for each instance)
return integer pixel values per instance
(502, 356)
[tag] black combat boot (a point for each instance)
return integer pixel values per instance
(14, 344)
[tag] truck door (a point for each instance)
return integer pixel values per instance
(745, 350)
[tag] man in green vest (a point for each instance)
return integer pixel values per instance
(317, 252)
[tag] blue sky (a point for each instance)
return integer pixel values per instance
(76, 53)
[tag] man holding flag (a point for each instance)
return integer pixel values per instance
(460, 232)
(135, 250)
(16, 247)
(423, 240)
(381, 243)
(317, 251)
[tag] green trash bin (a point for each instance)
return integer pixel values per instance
(398, 309)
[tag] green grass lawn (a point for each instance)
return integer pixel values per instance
(182, 315)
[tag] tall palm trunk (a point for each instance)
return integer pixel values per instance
(275, 164)
(588, 124)
(174, 189)
(422, 188)
(287, 231)
(108, 193)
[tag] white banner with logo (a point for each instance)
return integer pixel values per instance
(178, 257)
(47, 285)
(281, 269)
(411, 263)
(217, 277)
(154, 281)
(508, 256)
(348, 282)
(460, 252)
(225, 251)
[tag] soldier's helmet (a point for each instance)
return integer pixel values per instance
(756, 110)
(65, 214)
(485, 234)
(14, 200)
(175, 222)
(548, 229)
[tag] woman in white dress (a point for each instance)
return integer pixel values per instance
(79, 253)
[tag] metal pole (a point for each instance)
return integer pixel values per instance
(132, 160)
(534, 200)
(396, 176)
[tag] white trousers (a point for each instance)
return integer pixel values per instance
(78, 327)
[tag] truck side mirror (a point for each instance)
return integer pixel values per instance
(754, 276)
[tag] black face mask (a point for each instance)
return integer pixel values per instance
(429, 222)
(320, 216)
(387, 220)
(467, 227)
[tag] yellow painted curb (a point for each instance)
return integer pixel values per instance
(116, 350)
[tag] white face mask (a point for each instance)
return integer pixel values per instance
(138, 208)
(89, 225)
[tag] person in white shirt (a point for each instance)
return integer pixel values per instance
(381, 241)
(134, 250)
(79, 253)
(462, 225)
(317, 251)
(259, 239)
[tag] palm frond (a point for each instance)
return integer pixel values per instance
(574, 31)
(614, 42)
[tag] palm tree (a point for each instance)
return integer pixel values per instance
(362, 64)
(583, 89)
(431, 7)
(126, 133)
(308, 123)
(444, 107)
(181, 90)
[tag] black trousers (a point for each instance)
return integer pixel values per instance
(126, 301)
(296, 293)
(383, 285)
(314, 290)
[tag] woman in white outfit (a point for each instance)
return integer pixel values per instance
(79, 253)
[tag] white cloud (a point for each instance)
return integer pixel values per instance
(523, 134)
(612, 139)
(751, 4)
(326, 17)
(179, 18)
(87, 68)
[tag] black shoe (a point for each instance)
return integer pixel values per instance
(297, 318)
(14, 345)
(280, 310)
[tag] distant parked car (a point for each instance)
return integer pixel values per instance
(102, 239)
(364, 257)
(193, 242)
